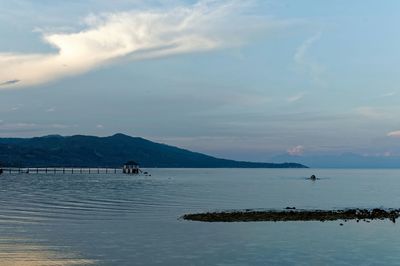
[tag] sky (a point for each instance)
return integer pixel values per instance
(244, 80)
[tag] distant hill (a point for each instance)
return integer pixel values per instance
(345, 160)
(113, 151)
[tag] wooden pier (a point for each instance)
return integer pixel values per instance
(130, 168)
(60, 170)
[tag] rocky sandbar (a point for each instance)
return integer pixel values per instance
(292, 214)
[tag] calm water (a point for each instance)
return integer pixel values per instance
(128, 220)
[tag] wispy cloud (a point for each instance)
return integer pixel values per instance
(395, 134)
(388, 94)
(134, 35)
(371, 112)
(21, 127)
(9, 82)
(17, 107)
(296, 97)
(307, 64)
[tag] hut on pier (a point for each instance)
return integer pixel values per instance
(131, 167)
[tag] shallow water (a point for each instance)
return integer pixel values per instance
(129, 220)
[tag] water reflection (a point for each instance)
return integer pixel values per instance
(19, 252)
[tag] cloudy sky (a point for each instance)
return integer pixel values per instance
(239, 79)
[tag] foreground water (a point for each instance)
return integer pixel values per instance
(129, 220)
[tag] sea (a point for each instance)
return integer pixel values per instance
(117, 219)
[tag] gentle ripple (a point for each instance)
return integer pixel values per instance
(117, 219)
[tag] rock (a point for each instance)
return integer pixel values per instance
(313, 177)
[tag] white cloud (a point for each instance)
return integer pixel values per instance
(395, 134)
(133, 35)
(296, 151)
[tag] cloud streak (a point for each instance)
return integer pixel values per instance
(9, 82)
(133, 35)
(308, 65)
(395, 134)
(372, 113)
(29, 127)
(388, 94)
(296, 97)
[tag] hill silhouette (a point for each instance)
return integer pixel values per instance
(112, 151)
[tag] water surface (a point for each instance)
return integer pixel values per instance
(118, 219)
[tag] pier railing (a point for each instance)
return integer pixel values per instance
(60, 170)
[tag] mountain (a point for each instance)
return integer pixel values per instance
(113, 151)
(345, 160)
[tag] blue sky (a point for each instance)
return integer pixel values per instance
(239, 79)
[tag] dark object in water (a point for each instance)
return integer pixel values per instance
(313, 177)
(295, 215)
(1, 171)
